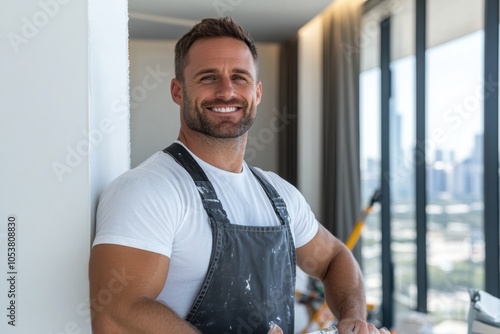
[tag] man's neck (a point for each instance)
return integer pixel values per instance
(225, 154)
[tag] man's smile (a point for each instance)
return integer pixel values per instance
(224, 109)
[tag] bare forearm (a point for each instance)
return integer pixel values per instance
(344, 288)
(143, 316)
(328, 259)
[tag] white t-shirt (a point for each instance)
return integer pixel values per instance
(156, 207)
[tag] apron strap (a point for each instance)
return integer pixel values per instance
(209, 198)
(276, 200)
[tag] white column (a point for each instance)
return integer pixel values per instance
(310, 100)
(64, 135)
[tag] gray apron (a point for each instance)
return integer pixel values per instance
(250, 282)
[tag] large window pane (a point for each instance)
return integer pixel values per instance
(370, 181)
(402, 145)
(370, 156)
(454, 160)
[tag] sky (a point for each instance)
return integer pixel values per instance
(455, 86)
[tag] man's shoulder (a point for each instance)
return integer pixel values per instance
(287, 190)
(157, 171)
(272, 177)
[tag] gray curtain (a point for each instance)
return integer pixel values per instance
(288, 158)
(341, 171)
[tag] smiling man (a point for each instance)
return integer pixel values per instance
(208, 243)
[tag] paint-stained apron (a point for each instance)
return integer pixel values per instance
(250, 282)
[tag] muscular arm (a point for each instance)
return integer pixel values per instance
(327, 258)
(124, 283)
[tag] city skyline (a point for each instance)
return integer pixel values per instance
(454, 99)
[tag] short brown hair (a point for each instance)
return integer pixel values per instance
(211, 28)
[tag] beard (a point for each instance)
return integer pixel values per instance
(222, 128)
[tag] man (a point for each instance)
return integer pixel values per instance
(194, 240)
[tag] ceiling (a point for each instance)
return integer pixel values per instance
(266, 20)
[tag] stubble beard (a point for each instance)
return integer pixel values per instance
(225, 128)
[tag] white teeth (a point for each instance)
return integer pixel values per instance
(227, 109)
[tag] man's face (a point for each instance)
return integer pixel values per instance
(220, 91)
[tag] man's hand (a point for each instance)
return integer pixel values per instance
(275, 329)
(357, 326)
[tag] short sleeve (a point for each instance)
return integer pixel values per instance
(138, 210)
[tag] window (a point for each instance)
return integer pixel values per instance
(454, 147)
(370, 157)
(402, 150)
(454, 170)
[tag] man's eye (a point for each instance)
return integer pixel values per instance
(208, 78)
(239, 78)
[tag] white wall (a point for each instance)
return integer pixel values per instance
(310, 114)
(262, 147)
(155, 117)
(61, 90)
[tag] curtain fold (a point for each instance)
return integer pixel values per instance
(288, 136)
(341, 157)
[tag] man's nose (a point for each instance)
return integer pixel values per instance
(225, 89)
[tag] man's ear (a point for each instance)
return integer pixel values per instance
(258, 92)
(176, 91)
